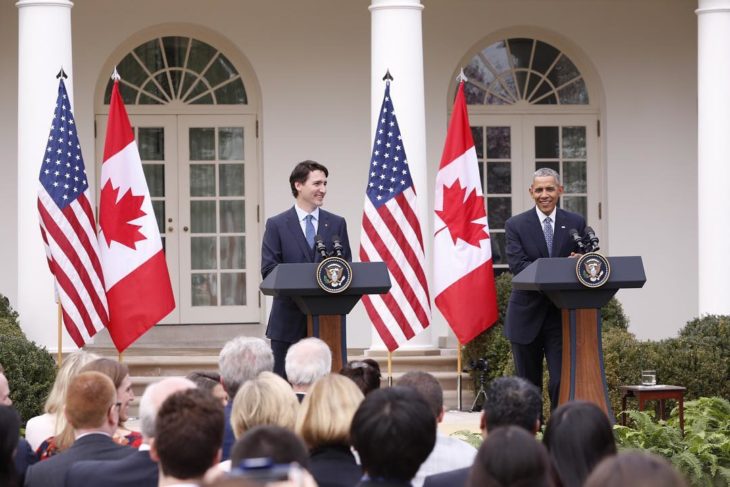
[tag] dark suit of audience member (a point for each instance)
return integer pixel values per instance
(24, 458)
(334, 466)
(533, 324)
(134, 470)
(454, 478)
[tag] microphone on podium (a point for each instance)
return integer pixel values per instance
(337, 245)
(319, 246)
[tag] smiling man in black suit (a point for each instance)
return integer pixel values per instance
(289, 238)
(533, 324)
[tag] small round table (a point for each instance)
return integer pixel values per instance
(654, 393)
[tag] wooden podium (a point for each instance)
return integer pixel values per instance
(326, 312)
(582, 375)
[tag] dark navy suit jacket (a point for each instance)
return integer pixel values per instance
(452, 478)
(528, 310)
(284, 242)
(135, 470)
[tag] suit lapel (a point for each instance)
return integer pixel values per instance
(539, 235)
(292, 223)
(560, 233)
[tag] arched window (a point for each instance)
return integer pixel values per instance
(523, 70)
(173, 68)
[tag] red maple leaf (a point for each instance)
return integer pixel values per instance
(459, 213)
(114, 216)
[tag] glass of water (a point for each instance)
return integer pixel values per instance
(648, 377)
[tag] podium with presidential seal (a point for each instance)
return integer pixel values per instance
(580, 287)
(326, 292)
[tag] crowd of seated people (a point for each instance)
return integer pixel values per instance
(246, 426)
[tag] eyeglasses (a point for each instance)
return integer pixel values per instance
(118, 405)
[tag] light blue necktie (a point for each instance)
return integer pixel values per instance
(309, 230)
(547, 229)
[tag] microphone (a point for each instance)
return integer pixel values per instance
(577, 239)
(591, 235)
(319, 246)
(337, 245)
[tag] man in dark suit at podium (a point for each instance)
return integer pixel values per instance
(290, 238)
(533, 324)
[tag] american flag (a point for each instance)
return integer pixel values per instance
(68, 228)
(391, 233)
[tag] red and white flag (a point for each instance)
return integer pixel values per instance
(138, 285)
(463, 274)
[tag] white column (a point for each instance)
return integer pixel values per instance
(713, 158)
(397, 45)
(44, 46)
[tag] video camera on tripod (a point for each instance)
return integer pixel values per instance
(480, 365)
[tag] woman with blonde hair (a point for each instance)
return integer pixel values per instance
(324, 424)
(267, 399)
(53, 422)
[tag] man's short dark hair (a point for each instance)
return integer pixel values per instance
(512, 401)
(189, 433)
(393, 431)
(427, 386)
(269, 441)
(301, 171)
(365, 373)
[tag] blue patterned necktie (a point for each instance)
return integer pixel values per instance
(309, 230)
(547, 229)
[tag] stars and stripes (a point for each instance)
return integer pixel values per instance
(68, 227)
(391, 233)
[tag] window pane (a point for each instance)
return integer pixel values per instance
(158, 206)
(546, 142)
(202, 180)
(233, 218)
(563, 71)
(151, 55)
(203, 100)
(204, 289)
(521, 50)
(574, 142)
(151, 89)
(202, 144)
(230, 143)
(498, 143)
(202, 217)
(574, 94)
(202, 253)
(575, 178)
(147, 100)
(220, 71)
(131, 71)
(498, 211)
(151, 142)
(476, 70)
(554, 165)
(154, 174)
(474, 95)
(576, 204)
(233, 253)
(162, 81)
(232, 181)
(233, 289)
(497, 56)
(478, 136)
(200, 55)
(175, 49)
(499, 247)
(232, 93)
(545, 54)
(499, 177)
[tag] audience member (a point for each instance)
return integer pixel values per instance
(365, 373)
(578, 436)
(24, 455)
(53, 422)
(324, 423)
(393, 432)
(9, 436)
(137, 469)
(267, 399)
(510, 401)
(635, 469)
(510, 457)
(93, 412)
(188, 434)
(4, 389)
(448, 453)
(307, 360)
(211, 382)
(269, 441)
(241, 359)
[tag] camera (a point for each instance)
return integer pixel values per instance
(480, 365)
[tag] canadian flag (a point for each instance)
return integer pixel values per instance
(137, 281)
(463, 275)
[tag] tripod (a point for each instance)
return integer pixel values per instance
(481, 392)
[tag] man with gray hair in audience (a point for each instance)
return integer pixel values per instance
(307, 360)
(137, 469)
(241, 359)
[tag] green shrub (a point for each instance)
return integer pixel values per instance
(30, 369)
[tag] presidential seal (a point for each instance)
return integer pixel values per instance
(334, 274)
(592, 269)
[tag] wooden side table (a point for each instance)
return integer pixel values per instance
(654, 393)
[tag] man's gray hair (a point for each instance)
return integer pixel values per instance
(154, 396)
(242, 359)
(547, 172)
(308, 360)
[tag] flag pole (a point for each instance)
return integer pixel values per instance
(60, 334)
(390, 369)
(458, 376)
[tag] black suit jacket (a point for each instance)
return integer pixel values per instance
(284, 242)
(528, 311)
(452, 478)
(135, 470)
(334, 466)
(52, 472)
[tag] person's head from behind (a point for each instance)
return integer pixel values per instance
(70, 367)
(635, 469)
(279, 444)
(510, 456)
(326, 414)
(267, 399)
(578, 436)
(242, 359)
(364, 373)
(119, 374)
(91, 403)
(511, 401)
(188, 435)
(393, 431)
(428, 387)
(210, 382)
(9, 435)
(306, 361)
(4, 389)
(153, 397)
